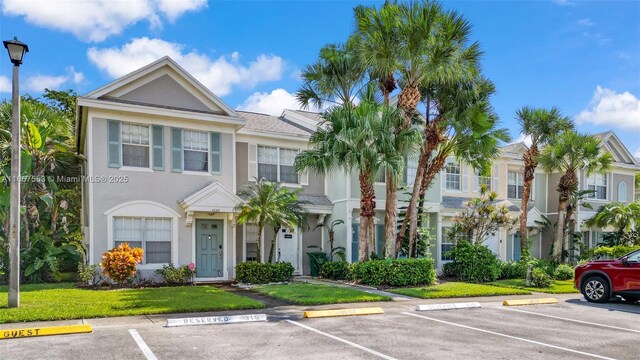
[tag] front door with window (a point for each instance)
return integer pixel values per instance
(288, 247)
(209, 248)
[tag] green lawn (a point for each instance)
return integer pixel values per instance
(557, 287)
(316, 294)
(64, 301)
(457, 289)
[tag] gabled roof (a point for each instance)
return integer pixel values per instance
(272, 124)
(212, 197)
(161, 67)
(614, 145)
(516, 148)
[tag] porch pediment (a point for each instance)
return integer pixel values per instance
(213, 198)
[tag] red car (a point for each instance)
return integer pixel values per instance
(599, 280)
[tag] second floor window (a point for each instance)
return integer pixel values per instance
(276, 165)
(452, 175)
(514, 185)
(597, 183)
(412, 168)
(135, 145)
(482, 180)
(196, 150)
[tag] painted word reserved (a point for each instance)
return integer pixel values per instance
(213, 320)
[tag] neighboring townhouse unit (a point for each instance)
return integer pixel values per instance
(167, 161)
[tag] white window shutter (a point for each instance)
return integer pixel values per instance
(304, 178)
(253, 162)
(465, 177)
(476, 182)
(494, 178)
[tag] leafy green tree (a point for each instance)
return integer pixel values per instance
(483, 217)
(622, 217)
(270, 204)
(541, 125)
(331, 232)
(568, 154)
(362, 139)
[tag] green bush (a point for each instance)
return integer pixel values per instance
(474, 263)
(176, 275)
(563, 272)
(610, 252)
(335, 270)
(395, 272)
(263, 273)
(540, 279)
(513, 269)
(547, 266)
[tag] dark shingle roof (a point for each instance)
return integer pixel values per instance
(269, 123)
(454, 202)
(317, 200)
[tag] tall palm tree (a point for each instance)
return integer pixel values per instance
(360, 138)
(270, 204)
(569, 153)
(541, 125)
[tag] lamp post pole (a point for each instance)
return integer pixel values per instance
(14, 208)
(16, 51)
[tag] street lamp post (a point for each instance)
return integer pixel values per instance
(16, 50)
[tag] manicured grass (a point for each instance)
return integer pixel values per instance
(316, 294)
(557, 287)
(64, 301)
(457, 289)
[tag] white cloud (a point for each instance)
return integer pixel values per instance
(5, 84)
(96, 20)
(586, 22)
(637, 153)
(219, 75)
(526, 139)
(38, 83)
(607, 107)
(272, 103)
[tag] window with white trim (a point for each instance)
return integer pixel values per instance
(482, 180)
(153, 235)
(412, 168)
(452, 175)
(276, 164)
(515, 185)
(135, 145)
(251, 242)
(597, 183)
(448, 238)
(622, 192)
(196, 150)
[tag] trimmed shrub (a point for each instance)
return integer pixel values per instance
(474, 263)
(540, 279)
(335, 270)
(263, 273)
(610, 252)
(394, 272)
(119, 264)
(547, 266)
(563, 272)
(513, 269)
(177, 275)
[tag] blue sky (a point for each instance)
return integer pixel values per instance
(582, 56)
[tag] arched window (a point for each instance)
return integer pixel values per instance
(622, 192)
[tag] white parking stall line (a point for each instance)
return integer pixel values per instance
(142, 345)
(511, 337)
(572, 320)
(370, 351)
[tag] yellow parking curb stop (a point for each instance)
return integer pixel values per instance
(343, 312)
(44, 331)
(530, 302)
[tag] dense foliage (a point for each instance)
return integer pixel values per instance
(335, 270)
(264, 273)
(400, 272)
(119, 264)
(610, 252)
(473, 263)
(540, 278)
(177, 275)
(563, 272)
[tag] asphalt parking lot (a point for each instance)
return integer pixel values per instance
(571, 329)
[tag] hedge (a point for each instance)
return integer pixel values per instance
(396, 272)
(263, 273)
(335, 270)
(610, 252)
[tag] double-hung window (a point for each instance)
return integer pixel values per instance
(482, 180)
(153, 235)
(452, 175)
(196, 150)
(135, 145)
(412, 168)
(597, 183)
(515, 185)
(276, 164)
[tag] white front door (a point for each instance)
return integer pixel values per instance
(288, 247)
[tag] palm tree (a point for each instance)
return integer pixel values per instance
(337, 77)
(623, 217)
(270, 204)
(360, 138)
(331, 232)
(569, 153)
(541, 125)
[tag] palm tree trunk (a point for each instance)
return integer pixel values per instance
(276, 230)
(559, 238)
(258, 250)
(567, 185)
(530, 164)
(390, 217)
(367, 212)
(413, 202)
(408, 102)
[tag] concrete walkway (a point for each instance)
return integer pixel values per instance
(367, 289)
